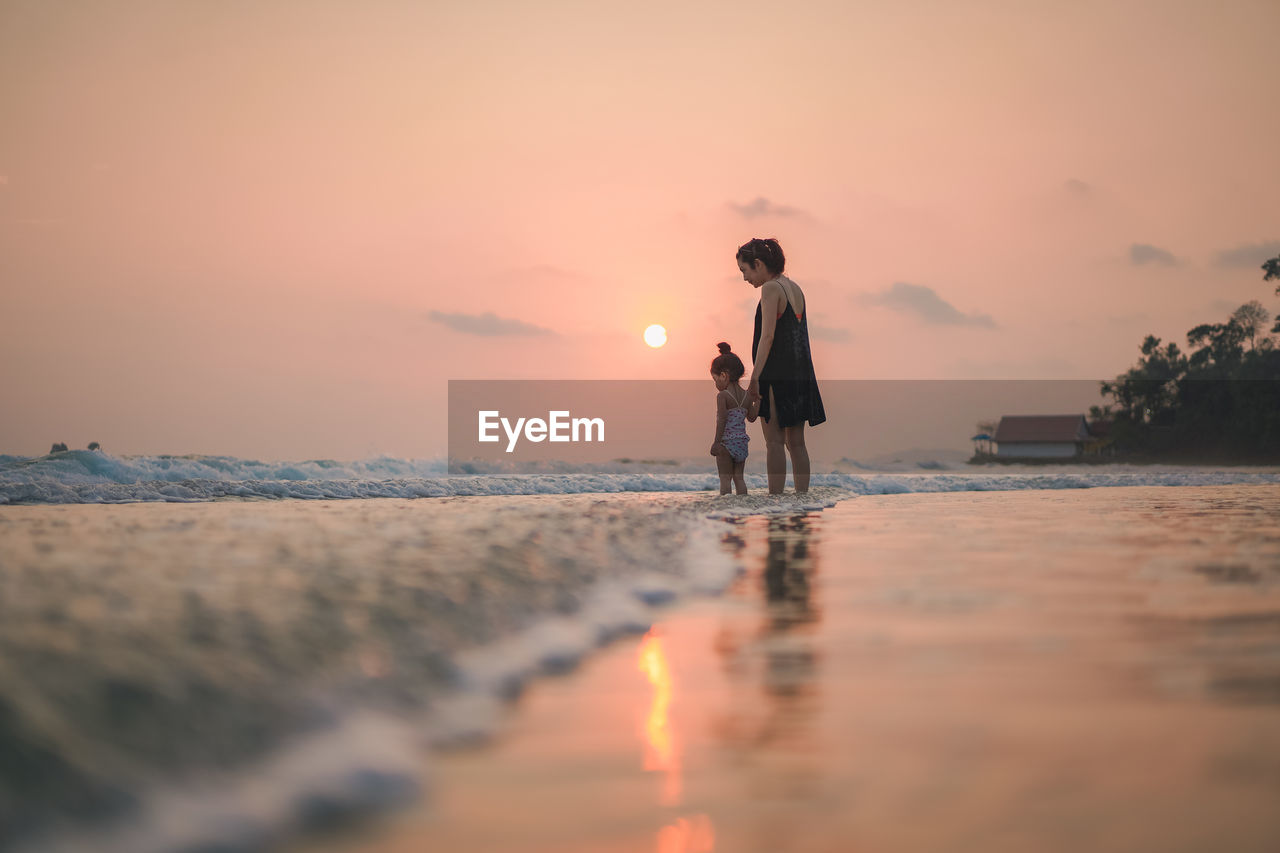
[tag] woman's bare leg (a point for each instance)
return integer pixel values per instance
(794, 438)
(775, 455)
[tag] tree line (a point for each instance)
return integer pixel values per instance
(1219, 401)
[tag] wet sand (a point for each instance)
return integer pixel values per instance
(1094, 669)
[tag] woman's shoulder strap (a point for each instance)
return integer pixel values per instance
(790, 301)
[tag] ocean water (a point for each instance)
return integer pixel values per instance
(83, 476)
(205, 653)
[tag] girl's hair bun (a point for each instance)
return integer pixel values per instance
(727, 362)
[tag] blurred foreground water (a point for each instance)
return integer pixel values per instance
(916, 671)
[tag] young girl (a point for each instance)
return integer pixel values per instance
(733, 410)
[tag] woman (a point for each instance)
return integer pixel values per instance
(782, 377)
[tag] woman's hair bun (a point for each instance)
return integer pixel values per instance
(724, 348)
(766, 250)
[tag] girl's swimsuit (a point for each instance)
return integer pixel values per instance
(735, 431)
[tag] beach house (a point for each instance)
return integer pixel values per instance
(1041, 436)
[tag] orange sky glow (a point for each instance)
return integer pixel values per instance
(276, 229)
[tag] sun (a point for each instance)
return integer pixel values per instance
(655, 336)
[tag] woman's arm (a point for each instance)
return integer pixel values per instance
(771, 297)
(753, 407)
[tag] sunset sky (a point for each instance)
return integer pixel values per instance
(275, 229)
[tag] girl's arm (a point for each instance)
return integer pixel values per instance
(770, 299)
(722, 417)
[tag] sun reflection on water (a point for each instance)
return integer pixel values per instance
(688, 835)
(662, 753)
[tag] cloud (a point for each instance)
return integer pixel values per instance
(1077, 187)
(487, 324)
(827, 333)
(1251, 255)
(926, 304)
(1141, 253)
(761, 206)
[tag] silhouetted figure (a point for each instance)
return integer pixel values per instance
(60, 447)
(93, 445)
(783, 381)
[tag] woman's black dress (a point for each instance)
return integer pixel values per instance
(788, 385)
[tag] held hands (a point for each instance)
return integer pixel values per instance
(753, 392)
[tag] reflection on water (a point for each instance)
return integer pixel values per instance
(693, 834)
(661, 749)
(688, 835)
(774, 742)
(788, 570)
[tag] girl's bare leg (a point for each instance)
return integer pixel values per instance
(775, 455)
(724, 466)
(794, 438)
(739, 481)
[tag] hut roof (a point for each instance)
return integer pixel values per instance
(1050, 428)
